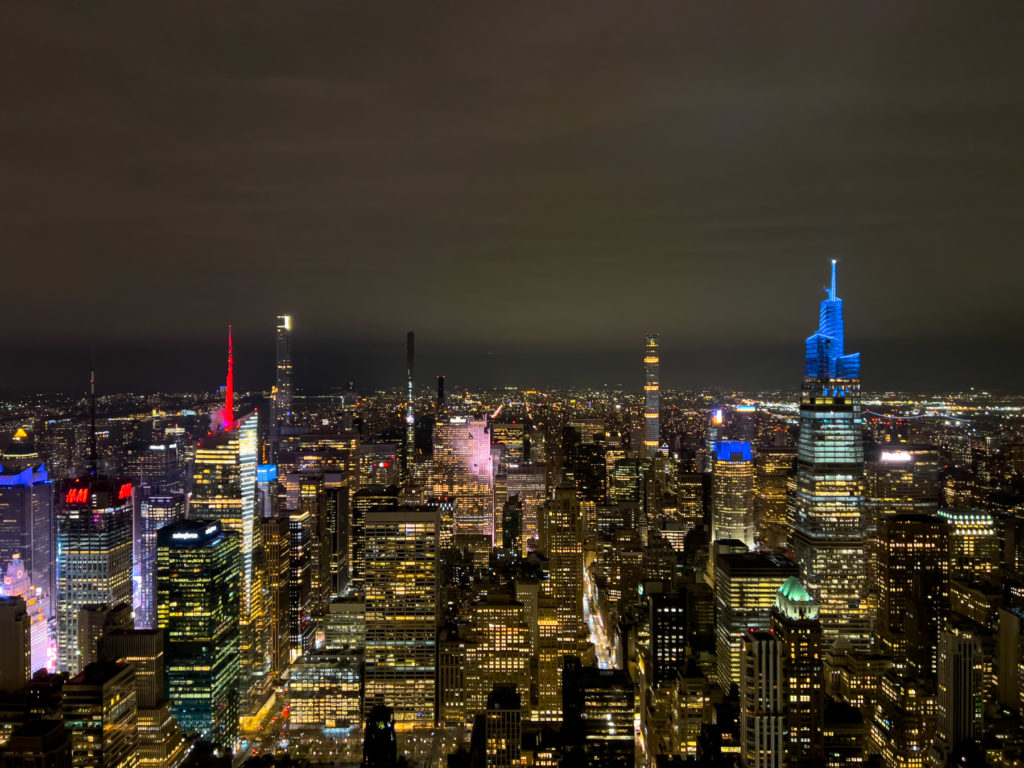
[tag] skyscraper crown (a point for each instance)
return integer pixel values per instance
(824, 357)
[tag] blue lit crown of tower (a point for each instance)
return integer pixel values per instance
(824, 358)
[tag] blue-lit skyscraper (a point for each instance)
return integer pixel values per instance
(27, 529)
(825, 358)
(732, 492)
(826, 505)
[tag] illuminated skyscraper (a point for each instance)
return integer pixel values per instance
(498, 651)
(155, 511)
(974, 547)
(94, 562)
(795, 623)
(528, 482)
(773, 466)
(463, 468)
(198, 603)
(563, 529)
(369, 498)
(826, 508)
(913, 589)
(762, 706)
(101, 711)
(903, 479)
(16, 584)
(652, 395)
(27, 529)
(746, 584)
(732, 492)
(224, 489)
(401, 616)
(161, 742)
(301, 624)
(281, 394)
(277, 553)
(960, 704)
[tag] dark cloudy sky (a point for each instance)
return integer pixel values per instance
(528, 186)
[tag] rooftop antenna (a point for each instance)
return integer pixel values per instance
(229, 397)
(92, 412)
(832, 294)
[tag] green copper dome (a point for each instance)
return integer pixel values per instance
(794, 591)
(793, 601)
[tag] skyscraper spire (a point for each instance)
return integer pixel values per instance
(825, 356)
(410, 420)
(229, 396)
(93, 461)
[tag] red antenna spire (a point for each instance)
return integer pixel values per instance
(229, 398)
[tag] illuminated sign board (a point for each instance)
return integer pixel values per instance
(76, 496)
(896, 457)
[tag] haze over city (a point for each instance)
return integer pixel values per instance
(530, 188)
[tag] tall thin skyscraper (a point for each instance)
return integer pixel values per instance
(442, 404)
(281, 395)
(410, 419)
(652, 394)
(827, 508)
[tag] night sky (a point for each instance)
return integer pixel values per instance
(530, 187)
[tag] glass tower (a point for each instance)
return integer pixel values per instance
(197, 608)
(826, 504)
(224, 489)
(281, 394)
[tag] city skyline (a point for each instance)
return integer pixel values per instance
(469, 385)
